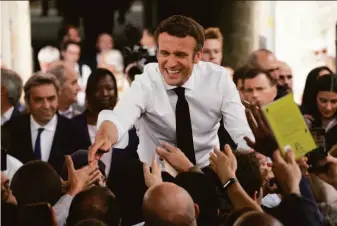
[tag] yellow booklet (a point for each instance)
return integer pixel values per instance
(288, 125)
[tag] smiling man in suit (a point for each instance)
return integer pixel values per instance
(43, 134)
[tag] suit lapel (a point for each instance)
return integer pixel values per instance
(56, 140)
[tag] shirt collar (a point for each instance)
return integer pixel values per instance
(189, 84)
(67, 112)
(8, 113)
(50, 126)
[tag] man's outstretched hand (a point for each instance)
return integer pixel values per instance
(265, 142)
(106, 137)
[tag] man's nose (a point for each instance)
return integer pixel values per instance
(171, 61)
(46, 104)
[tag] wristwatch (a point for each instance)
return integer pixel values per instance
(229, 182)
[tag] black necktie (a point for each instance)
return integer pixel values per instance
(183, 125)
(37, 149)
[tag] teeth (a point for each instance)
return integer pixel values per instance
(173, 72)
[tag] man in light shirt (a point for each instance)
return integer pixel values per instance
(179, 100)
(69, 88)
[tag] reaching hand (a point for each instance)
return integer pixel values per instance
(224, 164)
(103, 142)
(287, 172)
(81, 178)
(153, 177)
(331, 176)
(265, 142)
(175, 157)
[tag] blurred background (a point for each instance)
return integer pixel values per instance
(302, 33)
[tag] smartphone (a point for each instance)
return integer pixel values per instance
(37, 214)
(319, 136)
(319, 153)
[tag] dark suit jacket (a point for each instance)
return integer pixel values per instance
(68, 138)
(15, 113)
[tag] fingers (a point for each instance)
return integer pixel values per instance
(257, 113)
(251, 121)
(228, 151)
(93, 149)
(290, 156)
(155, 165)
(161, 152)
(94, 177)
(146, 169)
(70, 164)
(249, 142)
(169, 147)
(277, 158)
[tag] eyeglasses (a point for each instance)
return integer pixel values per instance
(283, 77)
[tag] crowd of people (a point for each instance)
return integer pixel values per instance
(161, 134)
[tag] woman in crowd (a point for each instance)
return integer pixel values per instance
(310, 86)
(323, 111)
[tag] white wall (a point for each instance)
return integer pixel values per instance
(16, 48)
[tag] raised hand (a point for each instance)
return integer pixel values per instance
(175, 157)
(224, 164)
(153, 177)
(287, 172)
(265, 142)
(81, 178)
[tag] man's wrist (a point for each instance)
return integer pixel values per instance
(225, 178)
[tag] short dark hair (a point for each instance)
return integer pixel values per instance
(181, 26)
(254, 72)
(13, 84)
(239, 73)
(248, 172)
(36, 181)
(94, 203)
(39, 79)
(64, 45)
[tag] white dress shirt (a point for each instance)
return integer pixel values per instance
(210, 93)
(7, 115)
(47, 136)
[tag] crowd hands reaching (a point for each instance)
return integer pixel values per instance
(101, 185)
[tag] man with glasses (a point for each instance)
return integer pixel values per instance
(285, 78)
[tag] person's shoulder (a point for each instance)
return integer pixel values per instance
(208, 68)
(150, 73)
(18, 120)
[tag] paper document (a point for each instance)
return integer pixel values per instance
(288, 125)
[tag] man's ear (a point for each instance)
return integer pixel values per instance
(197, 210)
(197, 56)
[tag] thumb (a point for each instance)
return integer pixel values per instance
(70, 165)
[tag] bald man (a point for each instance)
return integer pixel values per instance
(285, 78)
(170, 205)
(254, 218)
(265, 60)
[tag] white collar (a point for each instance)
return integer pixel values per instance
(8, 113)
(70, 109)
(50, 126)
